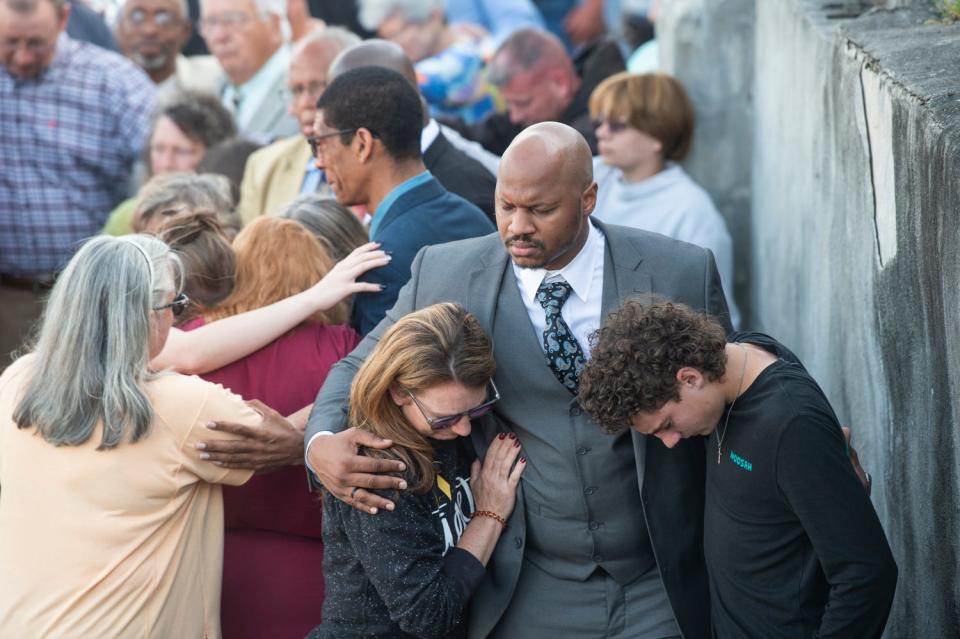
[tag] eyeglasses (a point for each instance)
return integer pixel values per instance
(442, 423)
(613, 127)
(314, 141)
(296, 92)
(161, 19)
(227, 19)
(36, 47)
(177, 306)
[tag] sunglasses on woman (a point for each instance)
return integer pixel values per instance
(448, 421)
(177, 306)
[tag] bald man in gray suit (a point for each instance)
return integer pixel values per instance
(606, 537)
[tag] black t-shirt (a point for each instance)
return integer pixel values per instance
(792, 543)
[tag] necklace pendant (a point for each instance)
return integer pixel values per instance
(718, 454)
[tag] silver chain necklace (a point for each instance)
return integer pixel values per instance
(721, 433)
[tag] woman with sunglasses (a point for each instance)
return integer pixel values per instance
(644, 126)
(410, 572)
(111, 523)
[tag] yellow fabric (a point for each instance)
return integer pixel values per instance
(272, 177)
(120, 543)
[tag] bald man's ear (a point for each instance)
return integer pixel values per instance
(589, 199)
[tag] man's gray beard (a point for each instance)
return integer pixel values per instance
(151, 63)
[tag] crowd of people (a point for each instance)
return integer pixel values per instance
(392, 318)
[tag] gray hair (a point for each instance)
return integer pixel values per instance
(173, 194)
(29, 6)
(338, 230)
(372, 13)
(93, 344)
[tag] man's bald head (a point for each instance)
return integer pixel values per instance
(307, 75)
(559, 150)
(375, 53)
(545, 191)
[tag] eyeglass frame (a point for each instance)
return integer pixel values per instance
(177, 305)
(314, 140)
(612, 126)
(161, 18)
(449, 421)
(236, 19)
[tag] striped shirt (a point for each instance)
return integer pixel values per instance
(69, 138)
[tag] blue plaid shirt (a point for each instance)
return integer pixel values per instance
(68, 139)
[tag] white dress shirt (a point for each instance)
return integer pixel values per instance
(584, 274)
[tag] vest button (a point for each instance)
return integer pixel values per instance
(518, 542)
(593, 525)
(576, 411)
(589, 490)
(583, 450)
(597, 558)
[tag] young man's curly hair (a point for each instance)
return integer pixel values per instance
(636, 354)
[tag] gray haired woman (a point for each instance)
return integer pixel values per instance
(111, 524)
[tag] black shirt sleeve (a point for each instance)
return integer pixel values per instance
(401, 553)
(815, 476)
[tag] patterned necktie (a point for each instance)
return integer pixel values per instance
(561, 349)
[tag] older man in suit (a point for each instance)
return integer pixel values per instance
(246, 38)
(606, 538)
(279, 172)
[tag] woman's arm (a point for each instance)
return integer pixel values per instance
(223, 342)
(425, 591)
(494, 488)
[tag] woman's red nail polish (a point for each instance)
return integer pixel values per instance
(517, 444)
(501, 435)
(512, 436)
(523, 460)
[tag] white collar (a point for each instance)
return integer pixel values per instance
(429, 135)
(578, 273)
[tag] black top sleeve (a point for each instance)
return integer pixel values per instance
(815, 476)
(425, 592)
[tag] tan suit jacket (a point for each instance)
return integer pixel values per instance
(273, 177)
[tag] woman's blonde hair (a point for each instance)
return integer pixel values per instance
(438, 344)
(654, 103)
(276, 259)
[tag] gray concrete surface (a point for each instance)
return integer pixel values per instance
(854, 246)
(690, 33)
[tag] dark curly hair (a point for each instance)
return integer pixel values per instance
(636, 354)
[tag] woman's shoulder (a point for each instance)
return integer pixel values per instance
(186, 399)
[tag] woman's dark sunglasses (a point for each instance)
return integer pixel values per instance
(442, 423)
(613, 127)
(177, 306)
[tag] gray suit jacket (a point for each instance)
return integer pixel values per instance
(475, 273)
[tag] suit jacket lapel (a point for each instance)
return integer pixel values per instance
(625, 274)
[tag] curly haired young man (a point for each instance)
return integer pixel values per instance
(792, 543)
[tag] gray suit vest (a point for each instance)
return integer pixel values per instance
(580, 487)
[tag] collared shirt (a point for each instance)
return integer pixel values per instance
(394, 195)
(244, 101)
(584, 274)
(68, 139)
(312, 178)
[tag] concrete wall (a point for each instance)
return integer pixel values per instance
(708, 45)
(855, 247)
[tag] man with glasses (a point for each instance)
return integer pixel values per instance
(276, 174)
(366, 138)
(75, 117)
(246, 38)
(151, 33)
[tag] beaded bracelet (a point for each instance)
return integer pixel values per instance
(491, 515)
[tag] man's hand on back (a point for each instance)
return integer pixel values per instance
(349, 476)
